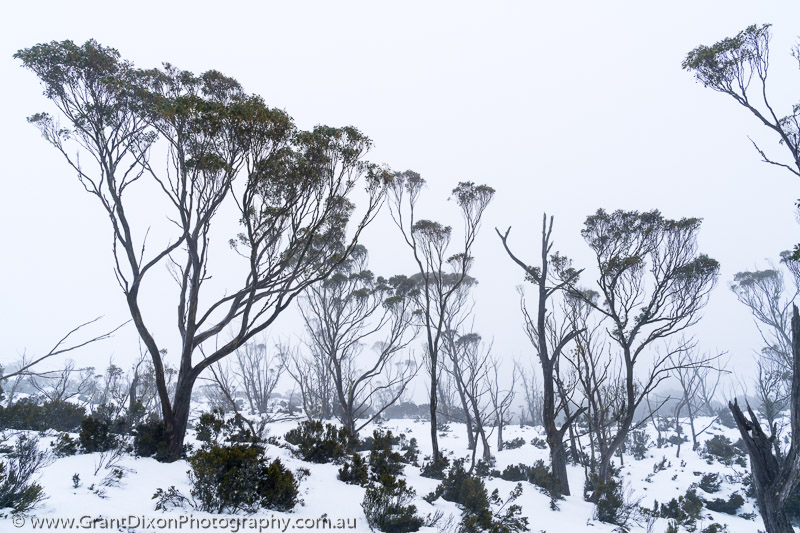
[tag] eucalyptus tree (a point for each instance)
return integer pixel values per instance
(738, 67)
(226, 152)
(550, 337)
(359, 326)
(652, 285)
(441, 272)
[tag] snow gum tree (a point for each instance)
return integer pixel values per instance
(225, 150)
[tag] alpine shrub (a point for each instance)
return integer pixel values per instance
(710, 483)
(513, 444)
(723, 450)
(435, 469)
(95, 434)
(318, 443)
(388, 507)
(17, 490)
(728, 507)
(150, 439)
(238, 477)
(354, 471)
(64, 446)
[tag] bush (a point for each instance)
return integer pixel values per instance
(318, 443)
(388, 508)
(28, 414)
(539, 443)
(383, 461)
(639, 443)
(723, 450)
(685, 510)
(470, 494)
(95, 434)
(515, 473)
(607, 496)
(354, 471)
(64, 446)
(215, 428)
(435, 469)
(17, 490)
(513, 444)
(237, 477)
(728, 507)
(150, 439)
(710, 483)
(410, 450)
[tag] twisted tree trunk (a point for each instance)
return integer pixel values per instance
(774, 478)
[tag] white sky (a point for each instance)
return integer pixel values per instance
(564, 107)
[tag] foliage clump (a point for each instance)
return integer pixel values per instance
(729, 506)
(226, 479)
(28, 414)
(17, 489)
(150, 439)
(318, 443)
(469, 492)
(721, 449)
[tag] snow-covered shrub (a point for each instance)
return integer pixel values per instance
(17, 490)
(469, 492)
(216, 428)
(28, 414)
(638, 443)
(720, 448)
(354, 471)
(64, 446)
(729, 506)
(95, 434)
(435, 469)
(388, 507)
(318, 443)
(685, 510)
(383, 461)
(710, 482)
(238, 477)
(513, 444)
(539, 443)
(609, 499)
(410, 450)
(150, 439)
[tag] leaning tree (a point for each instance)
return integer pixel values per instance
(224, 152)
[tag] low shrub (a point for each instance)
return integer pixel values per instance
(721, 449)
(388, 507)
(383, 461)
(150, 439)
(513, 444)
(64, 446)
(685, 510)
(354, 471)
(710, 483)
(238, 477)
(95, 434)
(729, 506)
(539, 443)
(28, 414)
(639, 443)
(318, 443)
(435, 469)
(216, 428)
(17, 489)
(469, 492)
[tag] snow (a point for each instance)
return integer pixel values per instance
(324, 495)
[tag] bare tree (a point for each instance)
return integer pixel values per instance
(64, 384)
(501, 398)
(312, 374)
(360, 325)
(224, 148)
(652, 285)
(694, 372)
(550, 337)
(532, 408)
(441, 273)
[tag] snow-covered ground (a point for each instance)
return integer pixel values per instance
(93, 505)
